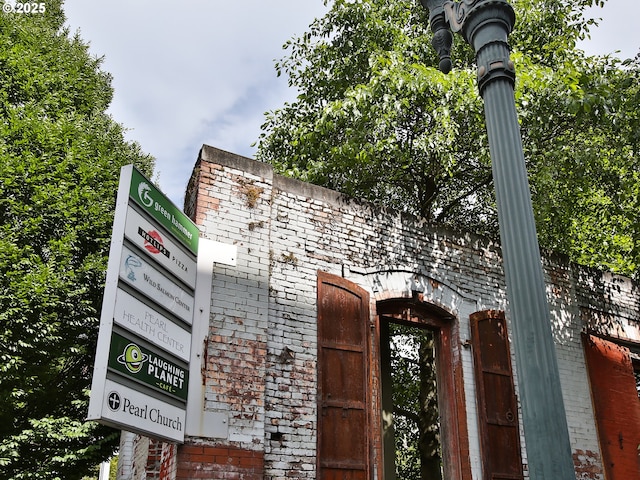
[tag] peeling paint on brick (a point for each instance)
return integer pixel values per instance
(588, 465)
(261, 354)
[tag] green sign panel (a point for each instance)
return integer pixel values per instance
(134, 361)
(159, 207)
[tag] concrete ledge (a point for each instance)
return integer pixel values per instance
(232, 160)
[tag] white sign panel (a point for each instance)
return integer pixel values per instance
(154, 327)
(138, 273)
(160, 247)
(149, 296)
(125, 406)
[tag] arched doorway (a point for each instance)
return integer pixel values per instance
(424, 337)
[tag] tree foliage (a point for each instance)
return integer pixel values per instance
(416, 417)
(375, 119)
(60, 157)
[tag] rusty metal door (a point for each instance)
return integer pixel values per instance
(343, 426)
(497, 404)
(616, 406)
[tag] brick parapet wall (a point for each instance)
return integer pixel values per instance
(380, 251)
(262, 349)
(609, 304)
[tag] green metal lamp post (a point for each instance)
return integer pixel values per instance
(485, 25)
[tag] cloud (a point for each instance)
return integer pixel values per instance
(616, 31)
(191, 72)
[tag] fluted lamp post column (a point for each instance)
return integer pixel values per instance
(485, 25)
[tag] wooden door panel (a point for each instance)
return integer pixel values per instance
(340, 307)
(339, 474)
(343, 417)
(503, 450)
(343, 442)
(491, 338)
(344, 379)
(497, 403)
(500, 405)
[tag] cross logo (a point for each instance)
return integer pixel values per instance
(114, 401)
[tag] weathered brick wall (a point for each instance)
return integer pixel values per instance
(133, 456)
(308, 229)
(125, 456)
(315, 229)
(223, 462)
(261, 352)
(140, 457)
(161, 461)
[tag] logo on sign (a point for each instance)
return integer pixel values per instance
(113, 400)
(144, 412)
(144, 193)
(130, 265)
(153, 242)
(132, 358)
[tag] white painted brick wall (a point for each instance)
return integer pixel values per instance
(263, 340)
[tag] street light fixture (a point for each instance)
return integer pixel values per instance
(485, 25)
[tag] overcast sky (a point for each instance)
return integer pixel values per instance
(189, 72)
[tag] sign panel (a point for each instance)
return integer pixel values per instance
(138, 273)
(154, 327)
(134, 361)
(159, 207)
(127, 407)
(160, 247)
(140, 376)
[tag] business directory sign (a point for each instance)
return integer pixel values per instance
(138, 272)
(160, 247)
(141, 370)
(163, 212)
(145, 322)
(125, 406)
(132, 359)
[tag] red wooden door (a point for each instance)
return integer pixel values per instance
(343, 426)
(616, 407)
(497, 405)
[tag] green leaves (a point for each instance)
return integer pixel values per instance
(374, 119)
(59, 167)
(578, 129)
(62, 441)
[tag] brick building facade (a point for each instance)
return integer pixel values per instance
(293, 382)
